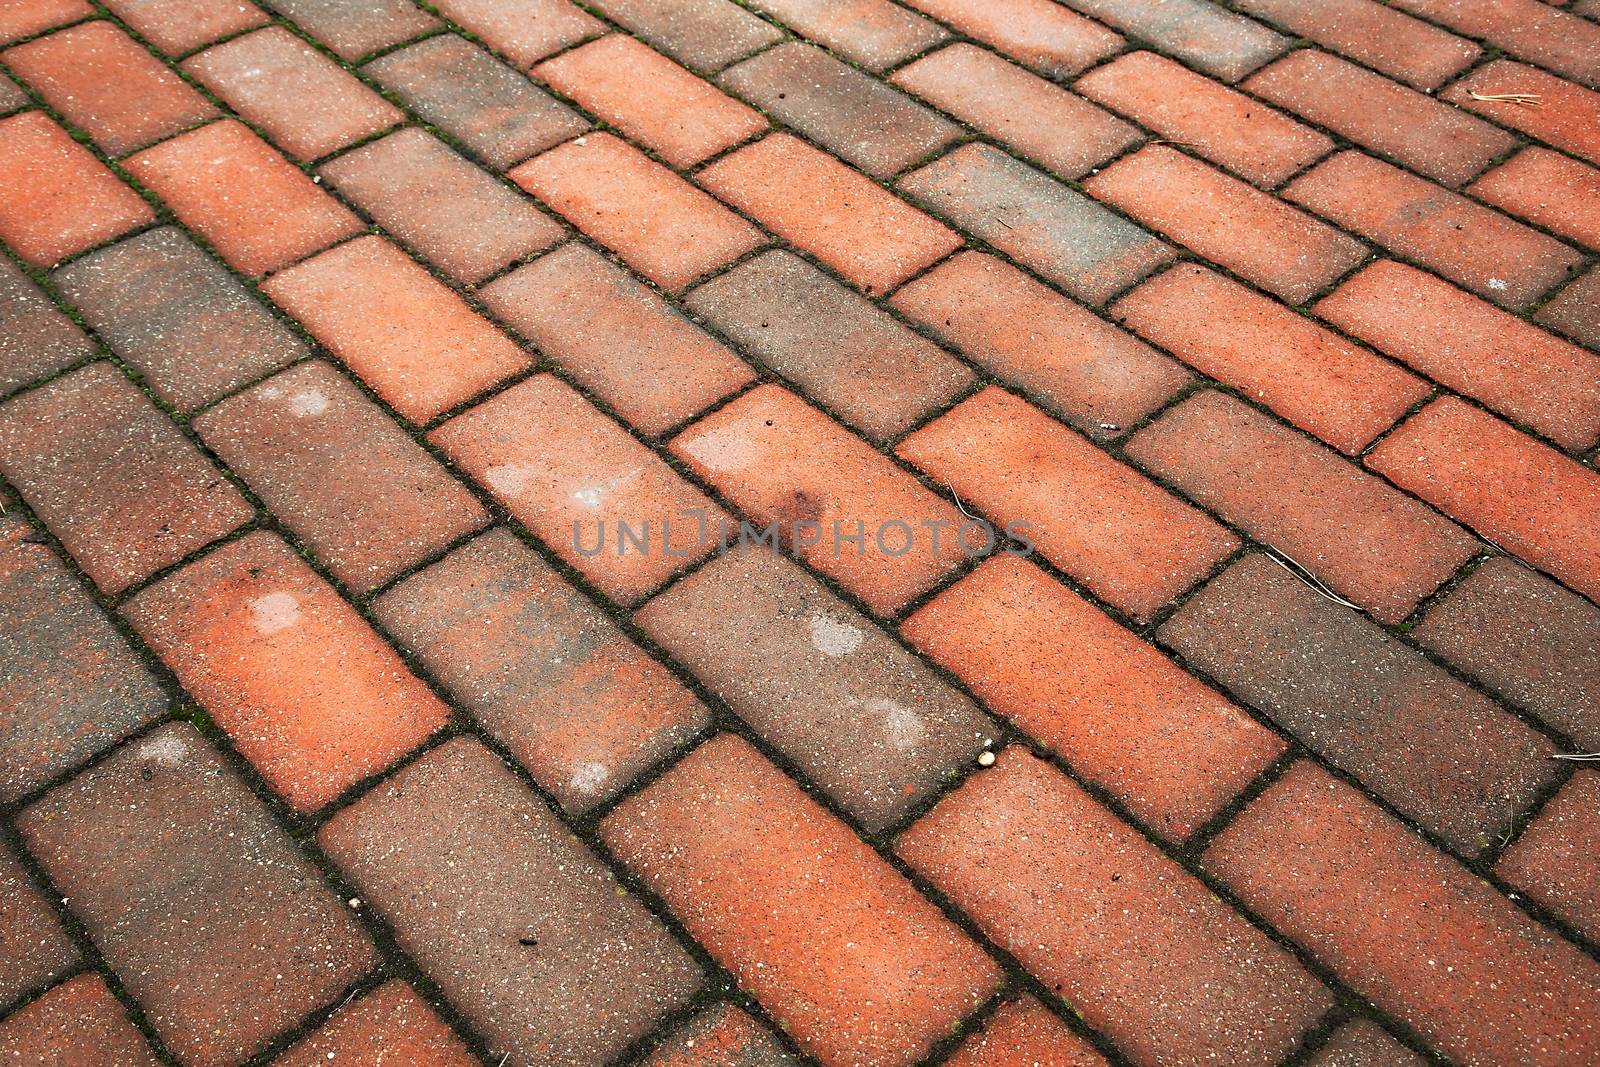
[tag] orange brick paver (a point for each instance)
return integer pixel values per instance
(861, 533)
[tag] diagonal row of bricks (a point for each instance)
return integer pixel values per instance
(457, 803)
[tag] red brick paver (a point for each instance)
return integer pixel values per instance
(1067, 497)
(1118, 711)
(835, 943)
(60, 199)
(410, 338)
(1138, 948)
(258, 211)
(101, 80)
(1458, 962)
(870, 533)
(304, 687)
(666, 228)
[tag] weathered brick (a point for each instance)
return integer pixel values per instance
(838, 215)
(107, 85)
(179, 26)
(174, 313)
(36, 338)
(1548, 188)
(441, 207)
(1201, 34)
(1567, 115)
(69, 684)
(307, 692)
(840, 349)
(258, 210)
(1374, 34)
(523, 929)
(1315, 379)
(1430, 137)
(665, 228)
(1055, 230)
(1090, 373)
(409, 337)
(1473, 347)
(779, 460)
(1363, 1043)
(873, 33)
(1575, 311)
(1475, 247)
(576, 479)
(217, 925)
(703, 34)
(544, 670)
(839, 948)
(1059, 131)
(35, 948)
(616, 336)
(1285, 251)
(859, 118)
(1409, 928)
(354, 28)
(1097, 519)
(721, 1036)
(111, 477)
(1036, 33)
(12, 98)
(1526, 637)
(79, 1023)
(341, 475)
(306, 102)
(652, 99)
(524, 31)
(1526, 496)
(60, 199)
(18, 20)
(864, 719)
(1556, 861)
(1434, 748)
(1355, 532)
(1118, 711)
(389, 1025)
(1138, 948)
(1025, 1034)
(1252, 140)
(1538, 32)
(494, 112)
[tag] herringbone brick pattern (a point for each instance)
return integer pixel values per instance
(869, 533)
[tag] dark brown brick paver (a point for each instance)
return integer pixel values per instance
(218, 925)
(739, 533)
(521, 926)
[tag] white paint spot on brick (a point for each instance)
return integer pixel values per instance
(722, 450)
(832, 637)
(308, 402)
(589, 778)
(508, 479)
(275, 611)
(904, 725)
(169, 750)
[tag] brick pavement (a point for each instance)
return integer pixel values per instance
(750, 533)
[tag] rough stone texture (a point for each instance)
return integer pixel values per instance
(36, 338)
(35, 948)
(79, 1023)
(390, 1025)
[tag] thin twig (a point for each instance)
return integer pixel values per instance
(1307, 577)
(1524, 99)
(964, 511)
(1577, 757)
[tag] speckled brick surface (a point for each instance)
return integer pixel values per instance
(761, 533)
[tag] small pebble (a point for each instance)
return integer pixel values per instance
(986, 759)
